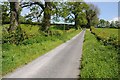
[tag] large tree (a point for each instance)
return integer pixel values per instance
(73, 12)
(14, 15)
(92, 15)
(47, 16)
(44, 8)
(77, 10)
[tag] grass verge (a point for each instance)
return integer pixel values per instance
(98, 61)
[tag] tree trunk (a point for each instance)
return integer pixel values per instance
(47, 16)
(14, 17)
(88, 19)
(88, 24)
(76, 22)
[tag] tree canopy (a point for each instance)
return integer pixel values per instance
(80, 14)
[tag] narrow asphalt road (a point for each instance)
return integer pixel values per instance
(61, 62)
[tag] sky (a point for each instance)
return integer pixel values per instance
(108, 10)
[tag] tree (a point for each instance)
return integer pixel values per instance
(46, 9)
(79, 15)
(35, 13)
(112, 24)
(117, 24)
(102, 23)
(92, 15)
(107, 24)
(73, 12)
(14, 15)
(47, 16)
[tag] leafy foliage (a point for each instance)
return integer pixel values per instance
(5, 12)
(92, 13)
(73, 12)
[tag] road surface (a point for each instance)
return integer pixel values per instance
(61, 62)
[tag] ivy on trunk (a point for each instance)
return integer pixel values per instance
(47, 17)
(14, 16)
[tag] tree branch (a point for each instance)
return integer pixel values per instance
(33, 3)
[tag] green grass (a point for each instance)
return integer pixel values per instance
(0, 60)
(98, 61)
(107, 35)
(14, 56)
(0, 53)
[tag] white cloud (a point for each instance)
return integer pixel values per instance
(114, 19)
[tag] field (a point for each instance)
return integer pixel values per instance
(37, 44)
(99, 60)
(107, 35)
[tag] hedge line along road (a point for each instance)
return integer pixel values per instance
(61, 62)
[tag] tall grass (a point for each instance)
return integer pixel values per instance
(98, 61)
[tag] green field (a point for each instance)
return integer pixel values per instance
(98, 60)
(107, 35)
(37, 44)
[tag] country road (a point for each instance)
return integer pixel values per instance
(61, 62)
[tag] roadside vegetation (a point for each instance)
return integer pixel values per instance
(26, 37)
(14, 56)
(99, 60)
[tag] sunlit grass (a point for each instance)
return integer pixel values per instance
(30, 30)
(107, 35)
(98, 61)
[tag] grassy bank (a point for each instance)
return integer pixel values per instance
(98, 61)
(14, 56)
